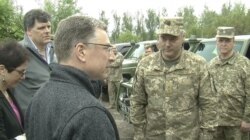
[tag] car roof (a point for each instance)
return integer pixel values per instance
(121, 44)
(148, 41)
(237, 37)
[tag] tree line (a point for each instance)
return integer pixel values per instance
(136, 27)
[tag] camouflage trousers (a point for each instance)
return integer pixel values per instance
(230, 133)
(113, 87)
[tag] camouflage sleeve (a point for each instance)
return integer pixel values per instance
(246, 80)
(207, 102)
(138, 104)
(207, 134)
(118, 62)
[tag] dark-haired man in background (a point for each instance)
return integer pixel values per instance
(37, 39)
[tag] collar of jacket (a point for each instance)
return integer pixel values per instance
(160, 64)
(71, 75)
(230, 61)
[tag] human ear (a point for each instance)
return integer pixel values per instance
(81, 50)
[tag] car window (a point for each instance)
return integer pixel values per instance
(138, 51)
(248, 52)
(123, 48)
(208, 49)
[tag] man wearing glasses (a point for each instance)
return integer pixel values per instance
(65, 107)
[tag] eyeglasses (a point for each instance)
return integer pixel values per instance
(20, 72)
(107, 47)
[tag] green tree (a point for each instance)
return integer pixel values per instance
(236, 16)
(10, 20)
(103, 18)
(190, 21)
(164, 12)
(208, 23)
(247, 21)
(60, 9)
(128, 37)
(231, 15)
(127, 23)
(152, 22)
(116, 31)
(140, 27)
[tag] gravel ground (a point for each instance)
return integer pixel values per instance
(125, 129)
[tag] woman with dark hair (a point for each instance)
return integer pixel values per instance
(13, 64)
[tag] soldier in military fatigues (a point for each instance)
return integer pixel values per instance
(230, 74)
(170, 88)
(114, 77)
(148, 51)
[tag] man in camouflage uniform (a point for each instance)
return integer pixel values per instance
(148, 50)
(230, 74)
(170, 88)
(114, 77)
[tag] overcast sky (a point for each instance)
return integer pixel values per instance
(94, 7)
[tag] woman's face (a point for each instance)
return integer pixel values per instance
(15, 76)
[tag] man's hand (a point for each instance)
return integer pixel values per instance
(245, 127)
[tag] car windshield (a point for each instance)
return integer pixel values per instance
(208, 49)
(137, 52)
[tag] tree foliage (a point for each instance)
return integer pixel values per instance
(128, 37)
(116, 31)
(236, 16)
(60, 9)
(190, 21)
(140, 31)
(10, 20)
(127, 23)
(103, 18)
(126, 28)
(152, 22)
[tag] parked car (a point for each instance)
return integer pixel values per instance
(207, 47)
(124, 47)
(132, 57)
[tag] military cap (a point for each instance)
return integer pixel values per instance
(171, 26)
(148, 45)
(225, 32)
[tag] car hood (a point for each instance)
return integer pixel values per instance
(129, 61)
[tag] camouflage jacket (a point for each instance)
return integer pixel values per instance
(165, 103)
(115, 68)
(231, 80)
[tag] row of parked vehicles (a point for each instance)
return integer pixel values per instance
(204, 47)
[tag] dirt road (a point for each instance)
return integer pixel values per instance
(125, 129)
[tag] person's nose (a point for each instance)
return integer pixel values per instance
(165, 45)
(111, 56)
(47, 30)
(23, 77)
(167, 42)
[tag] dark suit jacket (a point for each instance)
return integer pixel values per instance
(9, 125)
